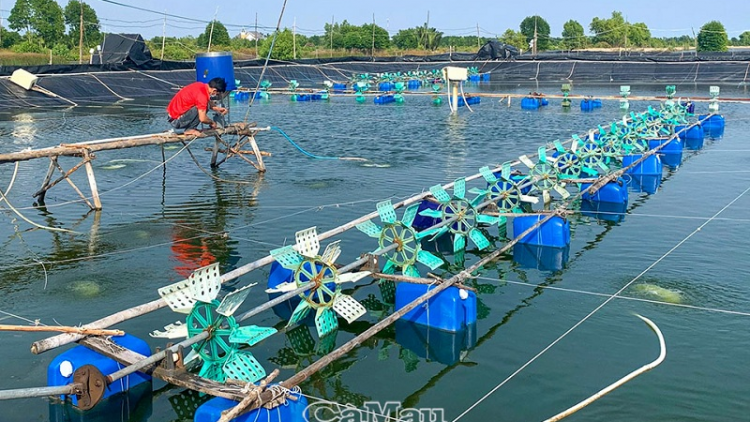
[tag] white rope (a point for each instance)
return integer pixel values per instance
(590, 314)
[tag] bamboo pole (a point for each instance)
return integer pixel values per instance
(62, 329)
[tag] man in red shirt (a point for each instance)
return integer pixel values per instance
(190, 105)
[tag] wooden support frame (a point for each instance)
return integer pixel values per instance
(236, 150)
(86, 151)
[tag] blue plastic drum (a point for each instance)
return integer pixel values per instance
(215, 65)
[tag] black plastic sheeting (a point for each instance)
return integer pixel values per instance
(113, 82)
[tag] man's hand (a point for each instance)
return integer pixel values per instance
(221, 110)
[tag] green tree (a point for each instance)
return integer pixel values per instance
(516, 39)
(420, 37)
(346, 35)
(573, 35)
(216, 33)
(38, 17)
(428, 38)
(91, 25)
(744, 38)
(21, 17)
(713, 37)
(639, 35)
(542, 31)
(406, 39)
(48, 21)
(283, 47)
(10, 38)
(612, 31)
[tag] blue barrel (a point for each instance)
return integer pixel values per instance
(486, 77)
(384, 99)
(433, 344)
(473, 78)
(543, 258)
(421, 222)
(469, 100)
(674, 146)
(385, 86)
(413, 84)
(60, 370)
(529, 103)
(450, 310)
(713, 126)
(607, 211)
(215, 65)
(339, 88)
(647, 183)
(614, 192)
(652, 165)
(587, 105)
(672, 161)
(555, 232)
(290, 411)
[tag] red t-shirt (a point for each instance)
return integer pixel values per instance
(193, 95)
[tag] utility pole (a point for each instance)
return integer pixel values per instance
(533, 47)
(478, 35)
(163, 34)
(373, 37)
(1, 25)
(256, 35)
(332, 35)
(80, 36)
(294, 39)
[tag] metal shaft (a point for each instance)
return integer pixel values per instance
(155, 358)
(22, 393)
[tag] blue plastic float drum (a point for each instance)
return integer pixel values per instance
(215, 65)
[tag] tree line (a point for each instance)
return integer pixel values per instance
(43, 25)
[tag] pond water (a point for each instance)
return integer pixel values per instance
(157, 224)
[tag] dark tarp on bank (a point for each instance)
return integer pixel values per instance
(125, 78)
(123, 48)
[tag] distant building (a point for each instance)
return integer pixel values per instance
(250, 35)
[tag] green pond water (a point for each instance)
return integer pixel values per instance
(157, 224)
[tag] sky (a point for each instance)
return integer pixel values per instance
(492, 17)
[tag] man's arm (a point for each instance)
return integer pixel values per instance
(203, 117)
(221, 110)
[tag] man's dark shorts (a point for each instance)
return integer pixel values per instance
(189, 120)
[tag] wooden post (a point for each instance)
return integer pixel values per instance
(258, 155)
(215, 151)
(92, 180)
(80, 37)
(454, 99)
(43, 191)
(66, 176)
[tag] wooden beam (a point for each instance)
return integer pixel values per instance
(118, 143)
(179, 377)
